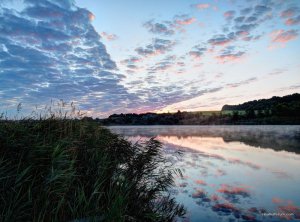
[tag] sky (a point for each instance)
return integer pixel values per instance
(138, 56)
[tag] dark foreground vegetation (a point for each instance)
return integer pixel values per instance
(277, 110)
(58, 169)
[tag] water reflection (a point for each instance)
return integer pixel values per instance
(232, 173)
(275, 137)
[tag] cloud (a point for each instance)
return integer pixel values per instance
(277, 200)
(234, 193)
(202, 196)
(246, 11)
(131, 60)
(281, 174)
(290, 12)
(175, 92)
(246, 163)
(261, 9)
(277, 72)
(251, 19)
(201, 6)
(229, 14)
(200, 182)
(220, 172)
(293, 21)
(241, 33)
(132, 63)
(62, 4)
(221, 40)
(246, 27)
(197, 51)
(158, 46)
(292, 87)
(228, 55)
(244, 82)
(130, 66)
(226, 208)
(282, 36)
(185, 21)
(287, 209)
(50, 50)
(239, 19)
(168, 28)
(215, 197)
(184, 184)
(159, 28)
(109, 37)
(160, 66)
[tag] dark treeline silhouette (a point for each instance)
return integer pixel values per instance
(286, 105)
(277, 110)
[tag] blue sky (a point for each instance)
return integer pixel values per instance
(139, 56)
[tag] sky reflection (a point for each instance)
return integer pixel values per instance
(232, 180)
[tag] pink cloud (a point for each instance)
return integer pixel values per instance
(215, 197)
(288, 13)
(224, 206)
(202, 6)
(198, 194)
(91, 16)
(201, 182)
(195, 55)
(286, 209)
(231, 190)
(180, 64)
(229, 14)
(277, 200)
(136, 60)
(243, 33)
(289, 211)
(187, 21)
(293, 21)
(229, 58)
(131, 60)
(281, 36)
(220, 41)
(109, 37)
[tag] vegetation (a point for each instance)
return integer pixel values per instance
(289, 104)
(61, 169)
(277, 110)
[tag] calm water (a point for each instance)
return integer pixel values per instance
(232, 173)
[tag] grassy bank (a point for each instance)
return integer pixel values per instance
(58, 169)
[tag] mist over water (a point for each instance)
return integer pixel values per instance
(231, 173)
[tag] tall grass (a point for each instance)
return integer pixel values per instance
(55, 168)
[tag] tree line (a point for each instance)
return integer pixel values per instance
(276, 110)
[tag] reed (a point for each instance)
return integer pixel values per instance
(54, 167)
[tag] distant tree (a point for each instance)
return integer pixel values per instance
(260, 113)
(86, 118)
(265, 104)
(250, 113)
(267, 112)
(235, 116)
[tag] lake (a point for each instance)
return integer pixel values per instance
(231, 173)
